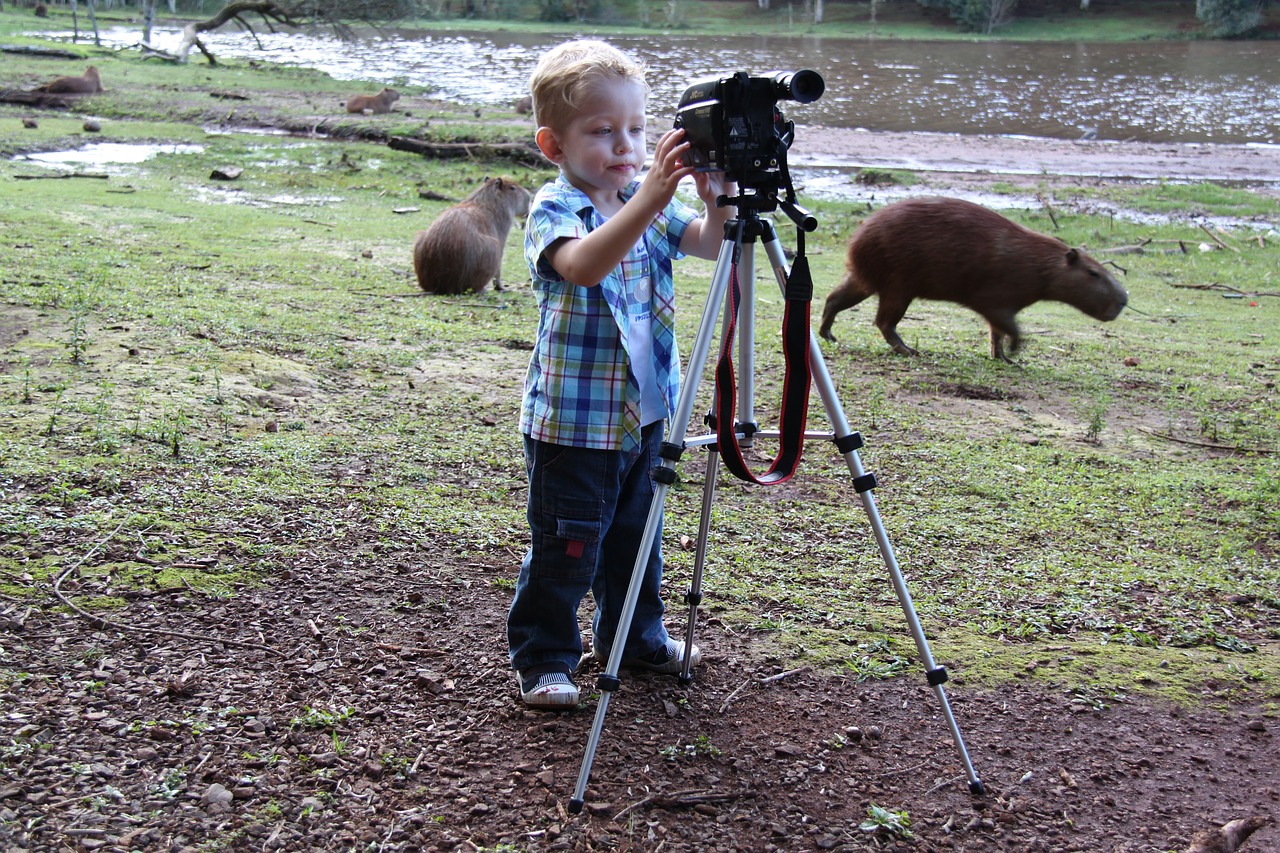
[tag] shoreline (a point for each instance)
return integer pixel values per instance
(985, 158)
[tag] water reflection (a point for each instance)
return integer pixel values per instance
(1195, 91)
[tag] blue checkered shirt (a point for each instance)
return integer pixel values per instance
(579, 389)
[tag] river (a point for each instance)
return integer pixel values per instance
(1168, 91)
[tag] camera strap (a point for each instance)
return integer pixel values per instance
(795, 387)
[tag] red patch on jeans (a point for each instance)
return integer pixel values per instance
(574, 549)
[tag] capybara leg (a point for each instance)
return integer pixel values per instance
(888, 315)
(1003, 328)
(844, 296)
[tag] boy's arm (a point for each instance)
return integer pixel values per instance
(704, 235)
(587, 260)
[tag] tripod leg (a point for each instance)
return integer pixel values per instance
(848, 443)
(694, 595)
(664, 476)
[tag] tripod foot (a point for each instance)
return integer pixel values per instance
(975, 788)
(575, 806)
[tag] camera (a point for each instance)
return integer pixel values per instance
(733, 124)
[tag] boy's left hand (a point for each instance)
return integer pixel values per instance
(712, 185)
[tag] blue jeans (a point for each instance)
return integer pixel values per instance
(587, 512)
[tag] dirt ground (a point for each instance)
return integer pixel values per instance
(336, 710)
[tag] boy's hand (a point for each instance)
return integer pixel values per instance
(666, 171)
(712, 185)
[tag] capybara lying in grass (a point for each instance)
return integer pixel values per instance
(461, 251)
(946, 248)
(88, 83)
(379, 103)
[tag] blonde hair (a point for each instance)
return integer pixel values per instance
(567, 74)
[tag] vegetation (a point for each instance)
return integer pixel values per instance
(187, 360)
(1018, 19)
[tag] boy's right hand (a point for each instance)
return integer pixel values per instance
(666, 172)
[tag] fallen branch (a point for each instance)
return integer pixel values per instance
(517, 151)
(43, 100)
(682, 799)
(1224, 287)
(33, 50)
(1230, 448)
(1135, 249)
(744, 685)
(1215, 238)
(1048, 209)
(95, 175)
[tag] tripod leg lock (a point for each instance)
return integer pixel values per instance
(608, 683)
(693, 599)
(936, 676)
(865, 483)
(850, 442)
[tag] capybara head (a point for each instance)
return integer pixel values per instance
(1096, 291)
(501, 194)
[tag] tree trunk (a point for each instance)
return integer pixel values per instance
(148, 20)
(232, 11)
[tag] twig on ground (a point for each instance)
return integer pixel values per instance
(1232, 448)
(1048, 209)
(101, 623)
(682, 799)
(1215, 238)
(778, 677)
(944, 783)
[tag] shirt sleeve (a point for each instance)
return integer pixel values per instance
(676, 217)
(550, 219)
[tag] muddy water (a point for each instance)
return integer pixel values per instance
(1197, 91)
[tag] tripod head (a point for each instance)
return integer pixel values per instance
(752, 202)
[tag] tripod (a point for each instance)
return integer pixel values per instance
(735, 258)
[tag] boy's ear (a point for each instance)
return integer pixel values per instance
(549, 144)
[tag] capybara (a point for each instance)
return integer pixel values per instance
(86, 84)
(41, 10)
(946, 248)
(379, 103)
(461, 250)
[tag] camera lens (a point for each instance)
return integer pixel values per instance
(804, 86)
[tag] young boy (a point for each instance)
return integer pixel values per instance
(604, 372)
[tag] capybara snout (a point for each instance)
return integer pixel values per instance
(954, 250)
(461, 251)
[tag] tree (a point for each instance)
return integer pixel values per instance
(982, 15)
(1230, 18)
(338, 14)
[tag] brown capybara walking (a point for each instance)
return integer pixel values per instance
(461, 251)
(379, 103)
(946, 248)
(88, 83)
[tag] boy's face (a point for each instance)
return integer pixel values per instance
(602, 148)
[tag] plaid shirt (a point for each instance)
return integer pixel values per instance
(580, 390)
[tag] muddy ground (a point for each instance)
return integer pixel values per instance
(335, 710)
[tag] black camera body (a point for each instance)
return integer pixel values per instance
(733, 124)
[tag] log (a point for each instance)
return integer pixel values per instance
(525, 154)
(43, 100)
(36, 50)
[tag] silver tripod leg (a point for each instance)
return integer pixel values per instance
(664, 475)
(848, 443)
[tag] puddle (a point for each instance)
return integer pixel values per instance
(106, 154)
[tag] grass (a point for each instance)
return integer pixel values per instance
(199, 359)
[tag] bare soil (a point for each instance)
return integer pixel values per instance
(335, 709)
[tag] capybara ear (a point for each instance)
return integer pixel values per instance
(1072, 257)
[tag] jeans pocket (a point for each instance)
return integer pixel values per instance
(573, 551)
